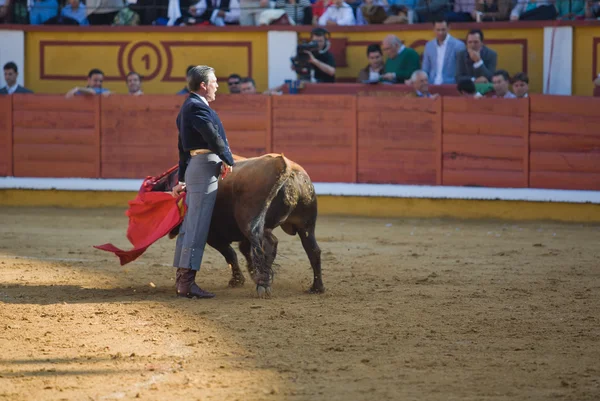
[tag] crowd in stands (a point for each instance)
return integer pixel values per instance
(288, 12)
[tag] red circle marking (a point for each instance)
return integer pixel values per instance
(152, 46)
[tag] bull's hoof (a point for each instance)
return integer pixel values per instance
(316, 289)
(263, 291)
(236, 282)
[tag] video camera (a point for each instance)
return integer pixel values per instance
(301, 59)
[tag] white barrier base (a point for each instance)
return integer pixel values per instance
(335, 189)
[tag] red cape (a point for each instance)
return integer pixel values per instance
(152, 215)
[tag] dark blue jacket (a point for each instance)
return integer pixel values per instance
(200, 128)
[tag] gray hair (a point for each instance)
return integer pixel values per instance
(197, 75)
(415, 74)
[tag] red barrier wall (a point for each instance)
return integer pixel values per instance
(565, 142)
(399, 140)
(6, 137)
(485, 142)
(56, 137)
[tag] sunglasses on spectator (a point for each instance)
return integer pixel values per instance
(233, 83)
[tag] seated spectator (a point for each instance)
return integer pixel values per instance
(533, 10)
(250, 11)
(402, 61)
(296, 10)
(103, 12)
(428, 10)
(318, 9)
(492, 10)
(371, 12)
(5, 11)
(338, 13)
(185, 90)
(477, 62)
(462, 11)
(420, 83)
(77, 11)
(247, 86)
(520, 84)
(439, 56)
(375, 69)
(94, 85)
(570, 9)
(233, 82)
(11, 73)
(592, 9)
(134, 84)
(466, 88)
(218, 12)
(42, 11)
(501, 80)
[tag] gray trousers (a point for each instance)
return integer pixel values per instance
(202, 181)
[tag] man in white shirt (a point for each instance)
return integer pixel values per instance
(338, 13)
(10, 76)
(375, 69)
(439, 56)
(501, 79)
(218, 12)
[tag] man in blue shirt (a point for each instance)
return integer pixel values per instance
(94, 85)
(77, 11)
(42, 11)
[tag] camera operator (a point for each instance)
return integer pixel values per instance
(316, 64)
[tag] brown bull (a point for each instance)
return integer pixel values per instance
(261, 194)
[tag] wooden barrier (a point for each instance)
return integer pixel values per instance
(399, 140)
(485, 142)
(368, 89)
(565, 142)
(56, 137)
(6, 136)
(139, 135)
(319, 132)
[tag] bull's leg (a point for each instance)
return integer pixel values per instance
(237, 277)
(270, 245)
(309, 242)
(245, 250)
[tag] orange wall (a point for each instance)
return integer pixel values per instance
(541, 142)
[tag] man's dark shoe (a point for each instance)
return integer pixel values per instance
(186, 287)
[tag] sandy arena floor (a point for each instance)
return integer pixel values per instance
(414, 310)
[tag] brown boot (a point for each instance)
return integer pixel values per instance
(187, 287)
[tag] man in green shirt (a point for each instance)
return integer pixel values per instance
(402, 61)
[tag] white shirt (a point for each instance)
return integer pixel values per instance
(342, 15)
(441, 54)
(202, 97)
(11, 89)
(373, 75)
(233, 15)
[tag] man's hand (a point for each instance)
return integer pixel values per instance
(264, 3)
(475, 55)
(221, 14)
(179, 188)
(514, 17)
(311, 57)
(389, 76)
(225, 170)
(435, 96)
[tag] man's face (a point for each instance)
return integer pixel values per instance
(248, 88)
(520, 88)
(74, 3)
(10, 76)
(389, 49)
(209, 91)
(375, 60)
(420, 83)
(95, 81)
(474, 42)
(234, 85)
(133, 83)
(441, 31)
(320, 40)
(500, 85)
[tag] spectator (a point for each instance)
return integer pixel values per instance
(322, 63)
(492, 10)
(466, 88)
(94, 85)
(42, 11)
(295, 10)
(420, 83)
(533, 10)
(402, 61)
(570, 9)
(5, 11)
(477, 62)
(185, 90)
(375, 69)
(371, 12)
(318, 9)
(250, 11)
(338, 13)
(247, 86)
(77, 11)
(233, 82)
(439, 56)
(134, 84)
(103, 12)
(462, 12)
(217, 12)
(10, 76)
(428, 10)
(520, 84)
(500, 79)
(592, 9)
